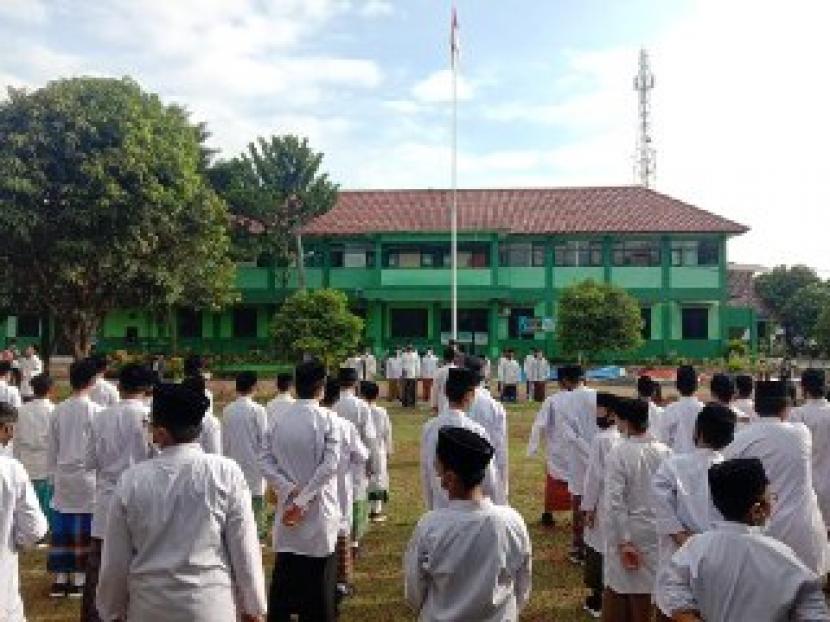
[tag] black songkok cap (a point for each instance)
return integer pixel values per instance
(475, 365)
(573, 372)
(771, 397)
(177, 406)
(463, 451)
(607, 400)
(134, 377)
(461, 378)
(8, 413)
(736, 485)
(814, 380)
(347, 375)
(632, 410)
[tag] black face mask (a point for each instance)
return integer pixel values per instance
(603, 423)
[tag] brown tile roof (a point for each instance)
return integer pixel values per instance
(741, 287)
(620, 209)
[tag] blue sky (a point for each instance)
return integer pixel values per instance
(740, 108)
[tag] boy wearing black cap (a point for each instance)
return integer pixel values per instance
(735, 572)
(32, 438)
(490, 414)
(815, 414)
(785, 449)
(745, 387)
(354, 409)
(22, 523)
(301, 460)
(117, 440)
(647, 390)
(472, 559)
(181, 540)
(379, 482)
(678, 421)
(460, 391)
(283, 400)
(438, 397)
(631, 537)
(195, 377)
(8, 392)
(73, 501)
(244, 426)
(683, 504)
(510, 373)
(579, 430)
(593, 499)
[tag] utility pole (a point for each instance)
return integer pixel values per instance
(645, 157)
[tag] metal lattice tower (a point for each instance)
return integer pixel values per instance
(645, 158)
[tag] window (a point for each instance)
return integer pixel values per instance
(645, 313)
(409, 323)
(695, 253)
(245, 322)
(470, 255)
(637, 253)
(189, 323)
(522, 254)
(513, 329)
(28, 326)
(695, 323)
(352, 256)
(469, 320)
(577, 254)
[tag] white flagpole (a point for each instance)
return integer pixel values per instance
(454, 177)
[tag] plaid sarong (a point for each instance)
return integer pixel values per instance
(71, 542)
(360, 519)
(44, 491)
(345, 563)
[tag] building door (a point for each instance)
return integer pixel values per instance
(473, 328)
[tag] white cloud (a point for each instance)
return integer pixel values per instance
(436, 88)
(26, 11)
(377, 8)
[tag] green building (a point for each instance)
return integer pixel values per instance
(390, 252)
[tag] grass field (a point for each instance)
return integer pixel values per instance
(557, 592)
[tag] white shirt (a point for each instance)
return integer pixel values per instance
(303, 450)
(181, 542)
(383, 429)
(785, 449)
(367, 367)
(104, 393)
(436, 497)
(746, 410)
(655, 414)
(118, 440)
(593, 497)
(410, 365)
(510, 372)
(682, 501)
(244, 426)
(677, 424)
(353, 457)
(438, 398)
(815, 414)
(30, 366)
(736, 574)
(22, 524)
(210, 438)
(356, 410)
(429, 365)
(469, 561)
(550, 420)
(491, 416)
(281, 403)
(10, 394)
(537, 369)
(70, 433)
(31, 437)
(393, 368)
(580, 427)
(629, 497)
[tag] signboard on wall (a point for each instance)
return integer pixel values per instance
(532, 325)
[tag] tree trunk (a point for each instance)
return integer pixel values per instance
(80, 331)
(300, 262)
(47, 341)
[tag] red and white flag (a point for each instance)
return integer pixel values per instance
(455, 43)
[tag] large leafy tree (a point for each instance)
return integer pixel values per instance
(598, 318)
(272, 190)
(790, 294)
(317, 323)
(103, 205)
(800, 315)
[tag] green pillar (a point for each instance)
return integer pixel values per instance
(375, 319)
(493, 329)
(494, 260)
(326, 250)
(378, 263)
(607, 257)
(724, 293)
(549, 293)
(665, 292)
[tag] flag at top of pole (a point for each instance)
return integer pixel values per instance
(455, 51)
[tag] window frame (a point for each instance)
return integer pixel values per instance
(584, 253)
(683, 323)
(642, 247)
(420, 311)
(681, 251)
(235, 324)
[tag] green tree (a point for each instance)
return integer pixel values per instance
(596, 317)
(318, 323)
(777, 289)
(272, 190)
(103, 206)
(801, 314)
(822, 331)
